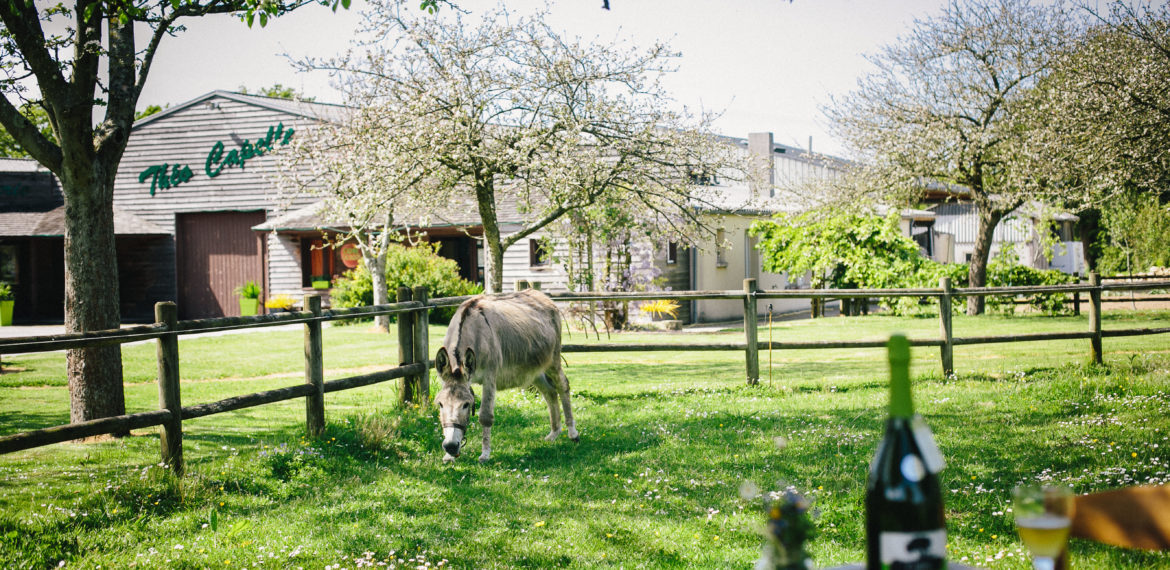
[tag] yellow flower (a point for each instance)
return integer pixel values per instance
(539, 524)
(1134, 454)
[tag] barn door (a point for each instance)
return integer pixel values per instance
(217, 252)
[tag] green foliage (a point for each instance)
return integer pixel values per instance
(249, 290)
(1005, 271)
(148, 111)
(868, 252)
(279, 91)
(419, 266)
(9, 148)
(5, 291)
(1136, 233)
(842, 251)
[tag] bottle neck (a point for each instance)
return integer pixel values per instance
(901, 406)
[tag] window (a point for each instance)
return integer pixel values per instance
(704, 179)
(318, 261)
(672, 253)
(539, 253)
(922, 231)
(9, 268)
(720, 248)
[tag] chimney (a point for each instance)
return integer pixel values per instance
(764, 164)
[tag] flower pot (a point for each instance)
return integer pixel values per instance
(322, 284)
(6, 313)
(249, 307)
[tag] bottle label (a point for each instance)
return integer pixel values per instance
(924, 550)
(925, 440)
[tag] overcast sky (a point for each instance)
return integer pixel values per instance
(768, 65)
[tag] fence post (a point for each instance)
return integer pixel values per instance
(409, 385)
(1095, 317)
(1077, 297)
(422, 344)
(314, 370)
(171, 438)
(944, 323)
(751, 330)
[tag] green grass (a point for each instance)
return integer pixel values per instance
(667, 438)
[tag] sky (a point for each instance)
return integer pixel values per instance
(765, 65)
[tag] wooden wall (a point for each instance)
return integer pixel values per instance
(186, 137)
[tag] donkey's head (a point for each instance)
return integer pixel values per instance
(455, 399)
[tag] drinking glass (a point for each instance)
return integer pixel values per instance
(1043, 517)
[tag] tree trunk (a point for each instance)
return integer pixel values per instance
(1089, 228)
(977, 275)
(91, 288)
(376, 264)
(485, 195)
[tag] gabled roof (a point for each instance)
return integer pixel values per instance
(307, 109)
(51, 223)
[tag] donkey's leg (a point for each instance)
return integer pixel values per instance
(562, 387)
(487, 417)
(554, 413)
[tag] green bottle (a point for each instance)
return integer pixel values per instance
(904, 519)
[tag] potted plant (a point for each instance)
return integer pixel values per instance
(6, 303)
(320, 281)
(281, 303)
(249, 294)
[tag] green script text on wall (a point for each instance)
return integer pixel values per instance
(165, 175)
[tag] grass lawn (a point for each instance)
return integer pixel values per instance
(667, 439)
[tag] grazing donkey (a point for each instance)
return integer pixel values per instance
(500, 341)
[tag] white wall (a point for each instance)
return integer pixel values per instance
(742, 262)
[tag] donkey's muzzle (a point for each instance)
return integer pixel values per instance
(453, 440)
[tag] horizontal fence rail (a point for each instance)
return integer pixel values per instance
(414, 305)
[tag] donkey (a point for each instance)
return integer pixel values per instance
(499, 342)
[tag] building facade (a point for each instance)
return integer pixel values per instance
(198, 214)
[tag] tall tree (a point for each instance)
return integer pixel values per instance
(363, 178)
(944, 105)
(96, 60)
(1103, 117)
(507, 109)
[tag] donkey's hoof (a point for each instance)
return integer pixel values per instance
(484, 458)
(573, 435)
(553, 435)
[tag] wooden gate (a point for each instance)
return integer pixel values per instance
(217, 252)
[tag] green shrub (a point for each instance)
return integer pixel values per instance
(1004, 271)
(418, 266)
(5, 291)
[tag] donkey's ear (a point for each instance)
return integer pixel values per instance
(469, 361)
(442, 361)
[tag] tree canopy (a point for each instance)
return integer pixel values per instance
(944, 105)
(509, 113)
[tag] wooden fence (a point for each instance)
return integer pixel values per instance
(413, 307)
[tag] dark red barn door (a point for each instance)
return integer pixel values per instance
(217, 252)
